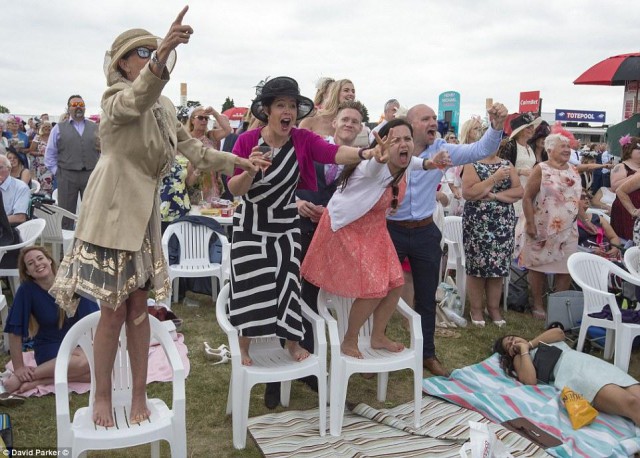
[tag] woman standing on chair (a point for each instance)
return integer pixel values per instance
(265, 253)
(117, 254)
(351, 253)
(34, 313)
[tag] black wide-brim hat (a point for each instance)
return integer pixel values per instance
(279, 87)
(522, 122)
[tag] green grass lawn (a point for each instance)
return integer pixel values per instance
(209, 429)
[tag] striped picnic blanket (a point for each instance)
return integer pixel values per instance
(369, 432)
(485, 388)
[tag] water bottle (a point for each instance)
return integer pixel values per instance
(457, 306)
(455, 313)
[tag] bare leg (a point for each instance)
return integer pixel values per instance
(537, 280)
(296, 351)
(494, 291)
(106, 339)
(616, 400)
(138, 336)
(475, 292)
(361, 310)
(562, 282)
(12, 384)
(381, 316)
(245, 342)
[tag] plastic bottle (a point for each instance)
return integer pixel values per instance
(455, 313)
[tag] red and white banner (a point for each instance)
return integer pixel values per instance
(529, 102)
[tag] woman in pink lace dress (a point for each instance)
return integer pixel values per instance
(352, 254)
(548, 233)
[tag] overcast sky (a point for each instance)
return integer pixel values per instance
(408, 49)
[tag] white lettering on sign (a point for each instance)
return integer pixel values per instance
(529, 102)
(588, 116)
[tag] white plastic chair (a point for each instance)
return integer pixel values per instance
(632, 260)
(35, 186)
(270, 363)
(29, 233)
(599, 212)
(53, 232)
(82, 434)
(194, 255)
(452, 235)
(335, 311)
(591, 273)
(4, 314)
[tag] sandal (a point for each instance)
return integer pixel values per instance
(11, 400)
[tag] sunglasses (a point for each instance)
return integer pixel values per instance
(202, 118)
(76, 104)
(394, 193)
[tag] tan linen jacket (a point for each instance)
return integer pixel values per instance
(120, 194)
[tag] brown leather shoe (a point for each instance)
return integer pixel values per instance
(434, 366)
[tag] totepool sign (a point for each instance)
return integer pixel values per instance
(580, 116)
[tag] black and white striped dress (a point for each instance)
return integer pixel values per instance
(265, 253)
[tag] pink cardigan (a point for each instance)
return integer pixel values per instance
(309, 147)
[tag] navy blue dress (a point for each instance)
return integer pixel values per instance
(32, 300)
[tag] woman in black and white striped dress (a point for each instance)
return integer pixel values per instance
(265, 250)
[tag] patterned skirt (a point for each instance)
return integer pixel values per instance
(110, 275)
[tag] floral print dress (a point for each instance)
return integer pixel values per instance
(173, 196)
(40, 171)
(488, 229)
(556, 214)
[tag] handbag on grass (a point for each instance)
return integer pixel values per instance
(6, 435)
(545, 360)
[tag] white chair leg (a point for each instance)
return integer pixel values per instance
(505, 293)
(179, 443)
(610, 343)
(155, 449)
(383, 381)
(322, 404)
(622, 355)
(338, 401)
(240, 421)
(230, 399)
(285, 393)
(175, 285)
(417, 396)
(581, 336)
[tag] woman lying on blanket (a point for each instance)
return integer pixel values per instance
(608, 388)
(35, 314)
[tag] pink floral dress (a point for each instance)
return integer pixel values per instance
(556, 213)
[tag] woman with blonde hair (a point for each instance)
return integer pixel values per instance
(324, 86)
(210, 183)
(34, 313)
(340, 91)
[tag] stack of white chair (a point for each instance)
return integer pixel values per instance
(335, 311)
(81, 434)
(270, 363)
(53, 232)
(592, 273)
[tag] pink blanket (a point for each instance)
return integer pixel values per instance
(159, 369)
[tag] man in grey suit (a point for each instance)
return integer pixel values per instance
(71, 155)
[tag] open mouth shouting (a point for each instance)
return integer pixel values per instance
(286, 123)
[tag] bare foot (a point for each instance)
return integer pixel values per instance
(350, 348)
(245, 342)
(139, 410)
(296, 351)
(385, 343)
(102, 414)
(12, 384)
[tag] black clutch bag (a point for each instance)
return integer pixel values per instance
(545, 360)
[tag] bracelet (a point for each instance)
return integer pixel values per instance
(361, 155)
(157, 61)
(530, 345)
(525, 353)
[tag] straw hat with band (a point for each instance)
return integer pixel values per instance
(279, 87)
(125, 42)
(522, 122)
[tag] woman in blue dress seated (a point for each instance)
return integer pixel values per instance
(608, 388)
(35, 314)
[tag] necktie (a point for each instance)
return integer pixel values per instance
(331, 173)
